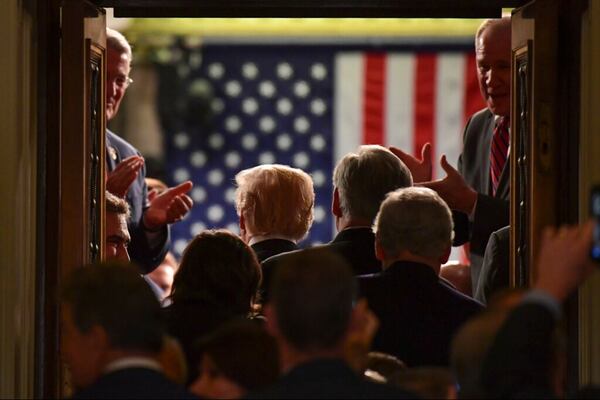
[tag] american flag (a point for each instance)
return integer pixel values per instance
(306, 106)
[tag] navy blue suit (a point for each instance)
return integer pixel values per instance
(133, 383)
(327, 379)
(140, 251)
(355, 245)
(272, 247)
(419, 313)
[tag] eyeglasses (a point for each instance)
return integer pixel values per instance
(123, 82)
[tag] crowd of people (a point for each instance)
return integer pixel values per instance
(368, 315)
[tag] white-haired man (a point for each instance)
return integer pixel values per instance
(149, 222)
(361, 180)
(418, 311)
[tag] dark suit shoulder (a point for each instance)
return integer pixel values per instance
(133, 383)
(322, 379)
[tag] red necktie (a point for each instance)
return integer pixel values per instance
(499, 151)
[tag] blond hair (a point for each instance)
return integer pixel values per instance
(275, 199)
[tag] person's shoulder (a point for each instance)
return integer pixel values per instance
(482, 115)
(133, 382)
(374, 390)
(282, 257)
(460, 299)
(123, 145)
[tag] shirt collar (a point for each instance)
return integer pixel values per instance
(133, 362)
(262, 238)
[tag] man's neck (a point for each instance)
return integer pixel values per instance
(291, 358)
(406, 256)
(261, 238)
(345, 222)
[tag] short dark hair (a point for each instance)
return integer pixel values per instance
(218, 268)
(116, 205)
(244, 352)
(115, 297)
(313, 292)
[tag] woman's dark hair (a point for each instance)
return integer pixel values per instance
(218, 268)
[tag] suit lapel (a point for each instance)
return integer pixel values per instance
(113, 157)
(487, 145)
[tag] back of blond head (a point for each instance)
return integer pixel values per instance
(275, 199)
(365, 177)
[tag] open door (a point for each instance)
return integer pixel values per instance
(546, 39)
(75, 220)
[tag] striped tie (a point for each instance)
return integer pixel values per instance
(499, 151)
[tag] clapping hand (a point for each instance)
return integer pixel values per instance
(170, 206)
(120, 179)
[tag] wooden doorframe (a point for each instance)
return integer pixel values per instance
(64, 155)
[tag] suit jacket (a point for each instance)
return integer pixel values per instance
(140, 250)
(272, 247)
(327, 379)
(494, 273)
(355, 245)
(419, 313)
(492, 211)
(137, 383)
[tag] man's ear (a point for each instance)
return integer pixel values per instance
(98, 338)
(446, 255)
(379, 252)
(335, 204)
(272, 326)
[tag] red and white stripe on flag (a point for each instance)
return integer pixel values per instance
(404, 100)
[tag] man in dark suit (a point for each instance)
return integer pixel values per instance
(275, 204)
(520, 362)
(149, 221)
(361, 180)
(112, 334)
(494, 273)
(311, 314)
(481, 186)
(418, 312)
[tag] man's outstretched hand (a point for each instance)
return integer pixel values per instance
(453, 189)
(421, 170)
(120, 179)
(170, 206)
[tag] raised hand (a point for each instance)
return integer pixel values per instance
(120, 179)
(453, 189)
(168, 207)
(422, 169)
(564, 259)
